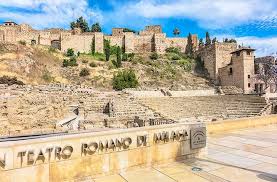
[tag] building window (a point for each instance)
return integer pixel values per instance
(249, 85)
(248, 76)
(231, 71)
(256, 69)
(238, 54)
(248, 53)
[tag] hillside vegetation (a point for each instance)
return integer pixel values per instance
(43, 65)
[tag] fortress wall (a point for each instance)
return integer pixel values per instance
(55, 36)
(79, 43)
(44, 38)
(216, 56)
(75, 156)
(143, 43)
(208, 56)
(99, 42)
(10, 33)
(223, 54)
(160, 43)
(129, 42)
(177, 42)
(115, 40)
(28, 37)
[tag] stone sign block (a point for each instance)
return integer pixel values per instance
(198, 138)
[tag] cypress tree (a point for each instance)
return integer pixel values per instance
(107, 49)
(118, 57)
(92, 46)
(189, 47)
(208, 39)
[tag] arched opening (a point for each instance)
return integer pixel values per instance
(56, 44)
(33, 42)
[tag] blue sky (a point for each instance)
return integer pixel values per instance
(251, 22)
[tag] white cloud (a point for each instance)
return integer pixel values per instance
(209, 13)
(48, 13)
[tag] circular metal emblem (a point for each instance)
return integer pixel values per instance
(196, 169)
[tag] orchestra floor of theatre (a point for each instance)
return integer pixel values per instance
(238, 156)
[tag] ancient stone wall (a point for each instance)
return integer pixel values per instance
(117, 31)
(216, 56)
(150, 30)
(181, 43)
(149, 40)
(144, 44)
(115, 40)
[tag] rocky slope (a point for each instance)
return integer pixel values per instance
(41, 65)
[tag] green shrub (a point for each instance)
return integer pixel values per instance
(131, 56)
(84, 72)
(186, 64)
(52, 49)
(84, 61)
(47, 76)
(70, 52)
(10, 80)
(175, 57)
(22, 42)
(92, 64)
(154, 56)
(124, 57)
(173, 50)
(125, 79)
(113, 50)
(71, 62)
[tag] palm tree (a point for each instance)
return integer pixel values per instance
(176, 31)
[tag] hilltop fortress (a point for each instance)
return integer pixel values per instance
(227, 64)
(152, 39)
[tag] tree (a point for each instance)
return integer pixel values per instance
(70, 52)
(208, 39)
(129, 30)
(201, 42)
(125, 79)
(176, 32)
(189, 47)
(92, 46)
(118, 57)
(80, 23)
(214, 40)
(267, 73)
(96, 28)
(107, 49)
(154, 56)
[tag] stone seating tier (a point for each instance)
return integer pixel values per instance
(207, 107)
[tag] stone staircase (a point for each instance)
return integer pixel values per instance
(207, 108)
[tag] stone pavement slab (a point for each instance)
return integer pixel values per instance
(146, 175)
(248, 155)
(113, 178)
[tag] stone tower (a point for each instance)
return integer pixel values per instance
(240, 71)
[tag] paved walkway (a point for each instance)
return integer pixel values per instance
(248, 155)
